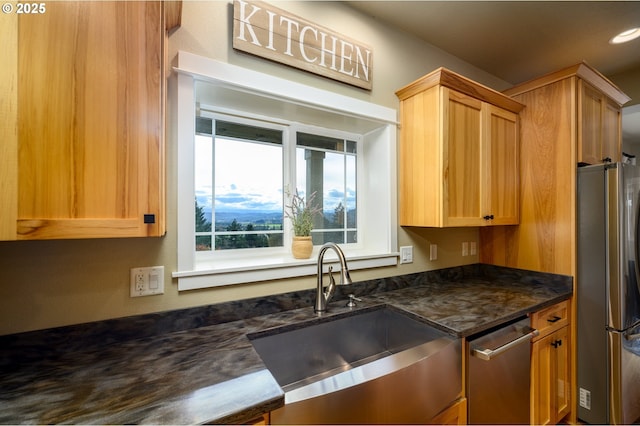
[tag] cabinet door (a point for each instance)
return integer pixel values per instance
(462, 159)
(590, 123)
(501, 171)
(419, 171)
(8, 128)
(541, 381)
(600, 136)
(611, 132)
(550, 388)
(562, 374)
(90, 121)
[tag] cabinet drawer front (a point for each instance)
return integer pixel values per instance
(551, 318)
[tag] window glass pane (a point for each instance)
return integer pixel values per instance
(350, 192)
(327, 166)
(248, 198)
(204, 191)
(238, 185)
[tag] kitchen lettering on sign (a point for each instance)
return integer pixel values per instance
(271, 33)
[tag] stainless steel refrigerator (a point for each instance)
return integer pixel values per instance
(608, 296)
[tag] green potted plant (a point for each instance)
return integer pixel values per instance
(301, 212)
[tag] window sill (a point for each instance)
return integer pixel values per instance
(246, 270)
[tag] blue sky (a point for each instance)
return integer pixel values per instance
(249, 176)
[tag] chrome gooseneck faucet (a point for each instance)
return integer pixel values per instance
(323, 297)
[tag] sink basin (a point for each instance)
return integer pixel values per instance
(374, 366)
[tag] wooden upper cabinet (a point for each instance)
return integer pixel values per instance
(566, 113)
(458, 153)
(90, 121)
(599, 124)
(503, 166)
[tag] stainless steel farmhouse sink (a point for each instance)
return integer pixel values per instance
(375, 366)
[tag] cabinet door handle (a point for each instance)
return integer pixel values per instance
(554, 319)
(556, 343)
(488, 217)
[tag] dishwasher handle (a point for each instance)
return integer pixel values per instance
(488, 354)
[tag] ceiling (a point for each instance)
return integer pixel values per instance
(520, 40)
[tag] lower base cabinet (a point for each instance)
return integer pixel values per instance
(456, 414)
(550, 365)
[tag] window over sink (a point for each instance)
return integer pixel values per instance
(245, 139)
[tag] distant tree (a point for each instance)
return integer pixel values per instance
(234, 226)
(202, 224)
(203, 242)
(255, 240)
(338, 216)
(238, 240)
(251, 239)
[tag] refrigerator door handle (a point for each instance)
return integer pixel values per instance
(488, 354)
(633, 332)
(631, 336)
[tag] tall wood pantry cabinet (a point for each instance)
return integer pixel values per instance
(83, 87)
(571, 116)
(458, 154)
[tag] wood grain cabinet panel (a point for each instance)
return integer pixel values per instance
(503, 166)
(90, 121)
(458, 153)
(456, 414)
(9, 127)
(567, 116)
(550, 380)
(599, 137)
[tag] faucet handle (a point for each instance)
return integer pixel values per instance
(332, 282)
(352, 301)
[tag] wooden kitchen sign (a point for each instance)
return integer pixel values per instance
(272, 33)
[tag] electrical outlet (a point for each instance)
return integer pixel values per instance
(139, 281)
(473, 248)
(465, 249)
(147, 281)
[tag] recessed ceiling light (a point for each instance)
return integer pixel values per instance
(626, 36)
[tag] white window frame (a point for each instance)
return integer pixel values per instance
(377, 215)
(289, 135)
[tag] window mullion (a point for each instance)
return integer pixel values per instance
(345, 180)
(213, 186)
(289, 177)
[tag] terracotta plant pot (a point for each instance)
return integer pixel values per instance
(301, 247)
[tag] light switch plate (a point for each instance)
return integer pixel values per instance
(406, 254)
(147, 281)
(433, 252)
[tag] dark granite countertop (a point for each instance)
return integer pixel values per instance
(197, 365)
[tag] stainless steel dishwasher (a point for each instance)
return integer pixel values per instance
(499, 374)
